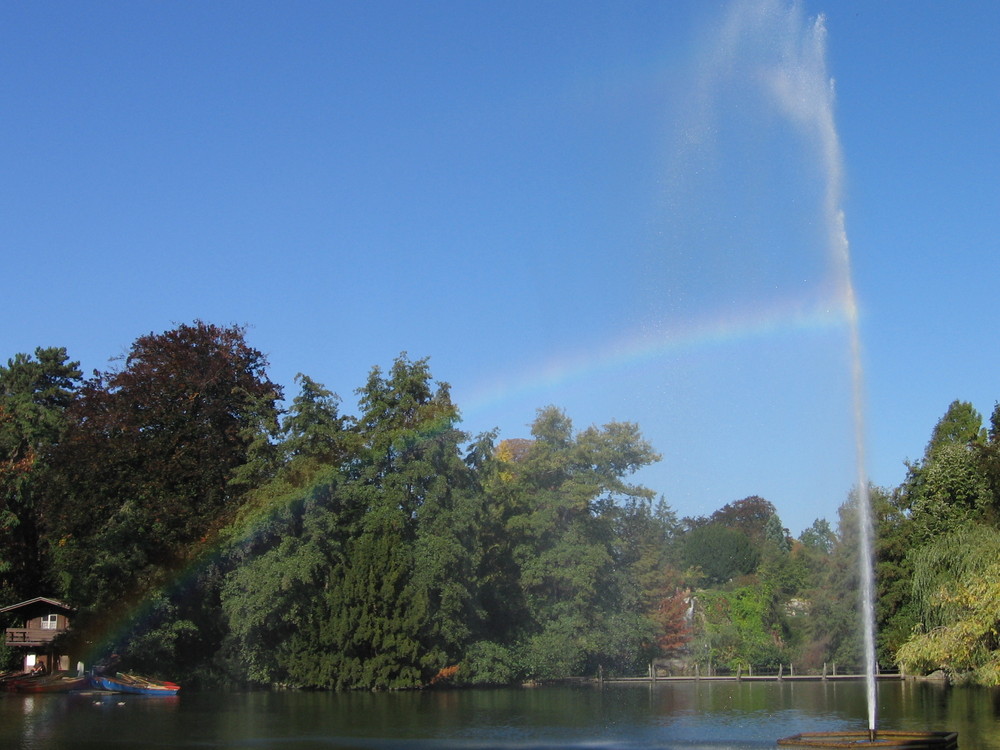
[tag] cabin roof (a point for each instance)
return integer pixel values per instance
(38, 600)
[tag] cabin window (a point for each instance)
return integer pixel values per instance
(49, 622)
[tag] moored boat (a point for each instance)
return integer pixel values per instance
(7, 679)
(131, 683)
(60, 682)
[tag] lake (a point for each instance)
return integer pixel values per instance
(664, 715)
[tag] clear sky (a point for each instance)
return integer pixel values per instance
(619, 208)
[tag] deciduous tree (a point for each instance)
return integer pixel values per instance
(143, 478)
(957, 596)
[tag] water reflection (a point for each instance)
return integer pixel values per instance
(638, 716)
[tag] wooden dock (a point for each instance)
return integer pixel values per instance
(739, 676)
(755, 678)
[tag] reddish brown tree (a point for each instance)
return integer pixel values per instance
(673, 622)
(145, 470)
(749, 515)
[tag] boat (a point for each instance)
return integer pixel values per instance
(122, 682)
(11, 675)
(8, 679)
(58, 682)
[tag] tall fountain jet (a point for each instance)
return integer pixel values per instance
(763, 106)
(766, 71)
(815, 92)
(826, 129)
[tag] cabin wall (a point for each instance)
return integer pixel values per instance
(35, 623)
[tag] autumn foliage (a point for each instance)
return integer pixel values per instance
(673, 621)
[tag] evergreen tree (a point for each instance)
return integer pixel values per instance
(35, 392)
(375, 586)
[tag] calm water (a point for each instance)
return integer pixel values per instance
(676, 715)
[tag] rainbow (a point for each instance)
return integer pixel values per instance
(790, 317)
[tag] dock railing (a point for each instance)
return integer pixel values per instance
(782, 672)
(30, 636)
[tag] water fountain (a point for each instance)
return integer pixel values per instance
(798, 89)
(885, 739)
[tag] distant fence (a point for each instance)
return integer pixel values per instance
(783, 672)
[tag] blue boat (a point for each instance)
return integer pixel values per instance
(131, 683)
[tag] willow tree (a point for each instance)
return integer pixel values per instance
(956, 588)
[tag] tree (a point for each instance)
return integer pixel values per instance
(280, 553)
(737, 631)
(143, 479)
(673, 618)
(367, 576)
(314, 429)
(956, 594)
(835, 625)
(940, 565)
(832, 630)
(961, 425)
(819, 537)
(722, 553)
(949, 486)
(988, 454)
(35, 392)
(776, 535)
(648, 557)
(967, 648)
(390, 543)
(559, 506)
(155, 443)
(749, 515)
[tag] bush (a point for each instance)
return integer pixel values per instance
(489, 663)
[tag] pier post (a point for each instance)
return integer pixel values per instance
(781, 668)
(824, 670)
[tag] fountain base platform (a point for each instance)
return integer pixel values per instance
(884, 739)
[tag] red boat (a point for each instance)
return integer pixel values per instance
(59, 682)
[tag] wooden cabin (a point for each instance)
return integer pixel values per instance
(43, 619)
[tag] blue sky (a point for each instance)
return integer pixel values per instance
(590, 205)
